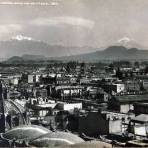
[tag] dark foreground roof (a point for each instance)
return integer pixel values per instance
(89, 144)
(25, 132)
(56, 139)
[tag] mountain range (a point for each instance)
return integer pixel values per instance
(23, 48)
(18, 47)
(110, 53)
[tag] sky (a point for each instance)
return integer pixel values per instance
(94, 23)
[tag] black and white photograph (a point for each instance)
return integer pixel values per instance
(73, 73)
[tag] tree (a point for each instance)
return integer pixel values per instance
(146, 69)
(119, 74)
(136, 64)
(70, 66)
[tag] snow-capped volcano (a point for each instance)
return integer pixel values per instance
(23, 45)
(124, 40)
(21, 37)
(129, 43)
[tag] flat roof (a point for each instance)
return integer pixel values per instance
(131, 98)
(142, 118)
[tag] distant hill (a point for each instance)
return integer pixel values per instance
(25, 48)
(33, 57)
(15, 47)
(25, 58)
(110, 53)
(15, 59)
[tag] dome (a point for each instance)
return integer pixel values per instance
(14, 113)
(56, 139)
(12, 107)
(25, 132)
(8, 106)
(89, 144)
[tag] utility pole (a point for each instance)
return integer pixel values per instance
(2, 108)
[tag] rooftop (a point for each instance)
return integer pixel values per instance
(142, 118)
(56, 139)
(131, 98)
(25, 132)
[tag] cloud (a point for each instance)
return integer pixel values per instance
(21, 37)
(55, 21)
(7, 28)
(30, 3)
(124, 40)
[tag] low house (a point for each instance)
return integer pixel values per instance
(63, 80)
(85, 80)
(145, 84)
(140, 108)
(73, 80)
(97, 94)
(124, 104)
(48, 80)
(68, 106)
(14, 80)
(139, 126)
(40, 93)
(96, 123)
(40, 108)
(113, 88)
(67, 91)
(31, 78)
(132, 86)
